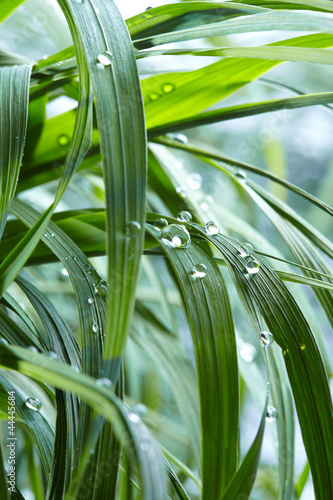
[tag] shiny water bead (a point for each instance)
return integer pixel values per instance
(246, 250)
(184, 216)
(63, 140)
(212, 228)
(267, 338)
(3, 341)
(133, 229)
(167, 88)
(177, 235)
(199, 271)
(52, 355)
(140, 410)
(101, 288)
(64, 272)
(248, 352)
(159, 224)
(104, 382)
(52, 235)
(33, 404)
(181, 191)
(32, 348)
(133, 417)
(241, 176)
(153, 96)
(90, 300)
(252, 266)
(95, 327)
(271, 414)
(105, 58)
(89, 268)
(180, 138)
(194, 181)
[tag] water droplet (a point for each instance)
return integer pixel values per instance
(246, 250)
(199, 270)
(52, 355)
(105, 58)
(302, 346)
(45, 235)
(177, 235)
(194, 181)
(63, 140)
(90, 300)
(104, 382)
(133, 418)
(153, 96)
(148, 8)
(149, 16)
(33, 404)
(252, 266)
(181, 191)
(32, 348)
(89, 268)
(212, 228)
(184, 216)
(64, 272)
(95, 327)
(53, 235)
(160, 224)
(205, 202)
(133, 229)
(140, 410)
(241, 176)
(267, 338)
(271, 414)
(101, 288)
(74, 258)
(3, 341)
(180, 137)
(167, 88)
(91, 452)
(44, 57)
(248, 352)
(76, 369)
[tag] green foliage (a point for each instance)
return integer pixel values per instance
(124, 326)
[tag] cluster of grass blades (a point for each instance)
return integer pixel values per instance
(81, 369)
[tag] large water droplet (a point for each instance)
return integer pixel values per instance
(63, 140)
(90, 300)
(271, 414)
(153, 96)
(168, 87)
(52, 355)
(212, 228)
(95, 327)
(181, 191)
(104, 382)
(177, 235)
(180, 137)
(246, 250)
(267, 338)
(133, 418)
(33, 404)
(199, 271)
(89, 268)
(194, 181)
(3, 341)
(133, 229)
(105, 58)
(241, 176)
(64, 272)
(140, 410)
(101, 288)
(252, 266)
(184, 216)
(159, 224)
(32, 349)
(248, 352)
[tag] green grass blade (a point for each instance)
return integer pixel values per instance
(7, 7)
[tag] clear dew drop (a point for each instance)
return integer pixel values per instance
(159, 224)
(75, 258)
(32, 348)
(52, 355)
(252, 266)
(180, 138)
(45, 235)
(89, 268)
(63, 140)
(271, 414)
(95, 327)
(181, 191)
(241, 176)
(184, 216)
(104, 382)
(140, 410)
(199, 271)
(267, 338)
(246, 250)
(248, 352)
(105, 58)
(33, 404)
(133, 229)
(90, 300)
(194, 181)
(3, 341)
(91, 452)
(101, 288)
(168, 87)
(177, 235)
(64, 272)
(52, 235)
(133, 417)
(212, 228)
(153, 96)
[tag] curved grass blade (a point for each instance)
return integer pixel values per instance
(14, 94)
(212, 328)
(7, 7)
(128, 426)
